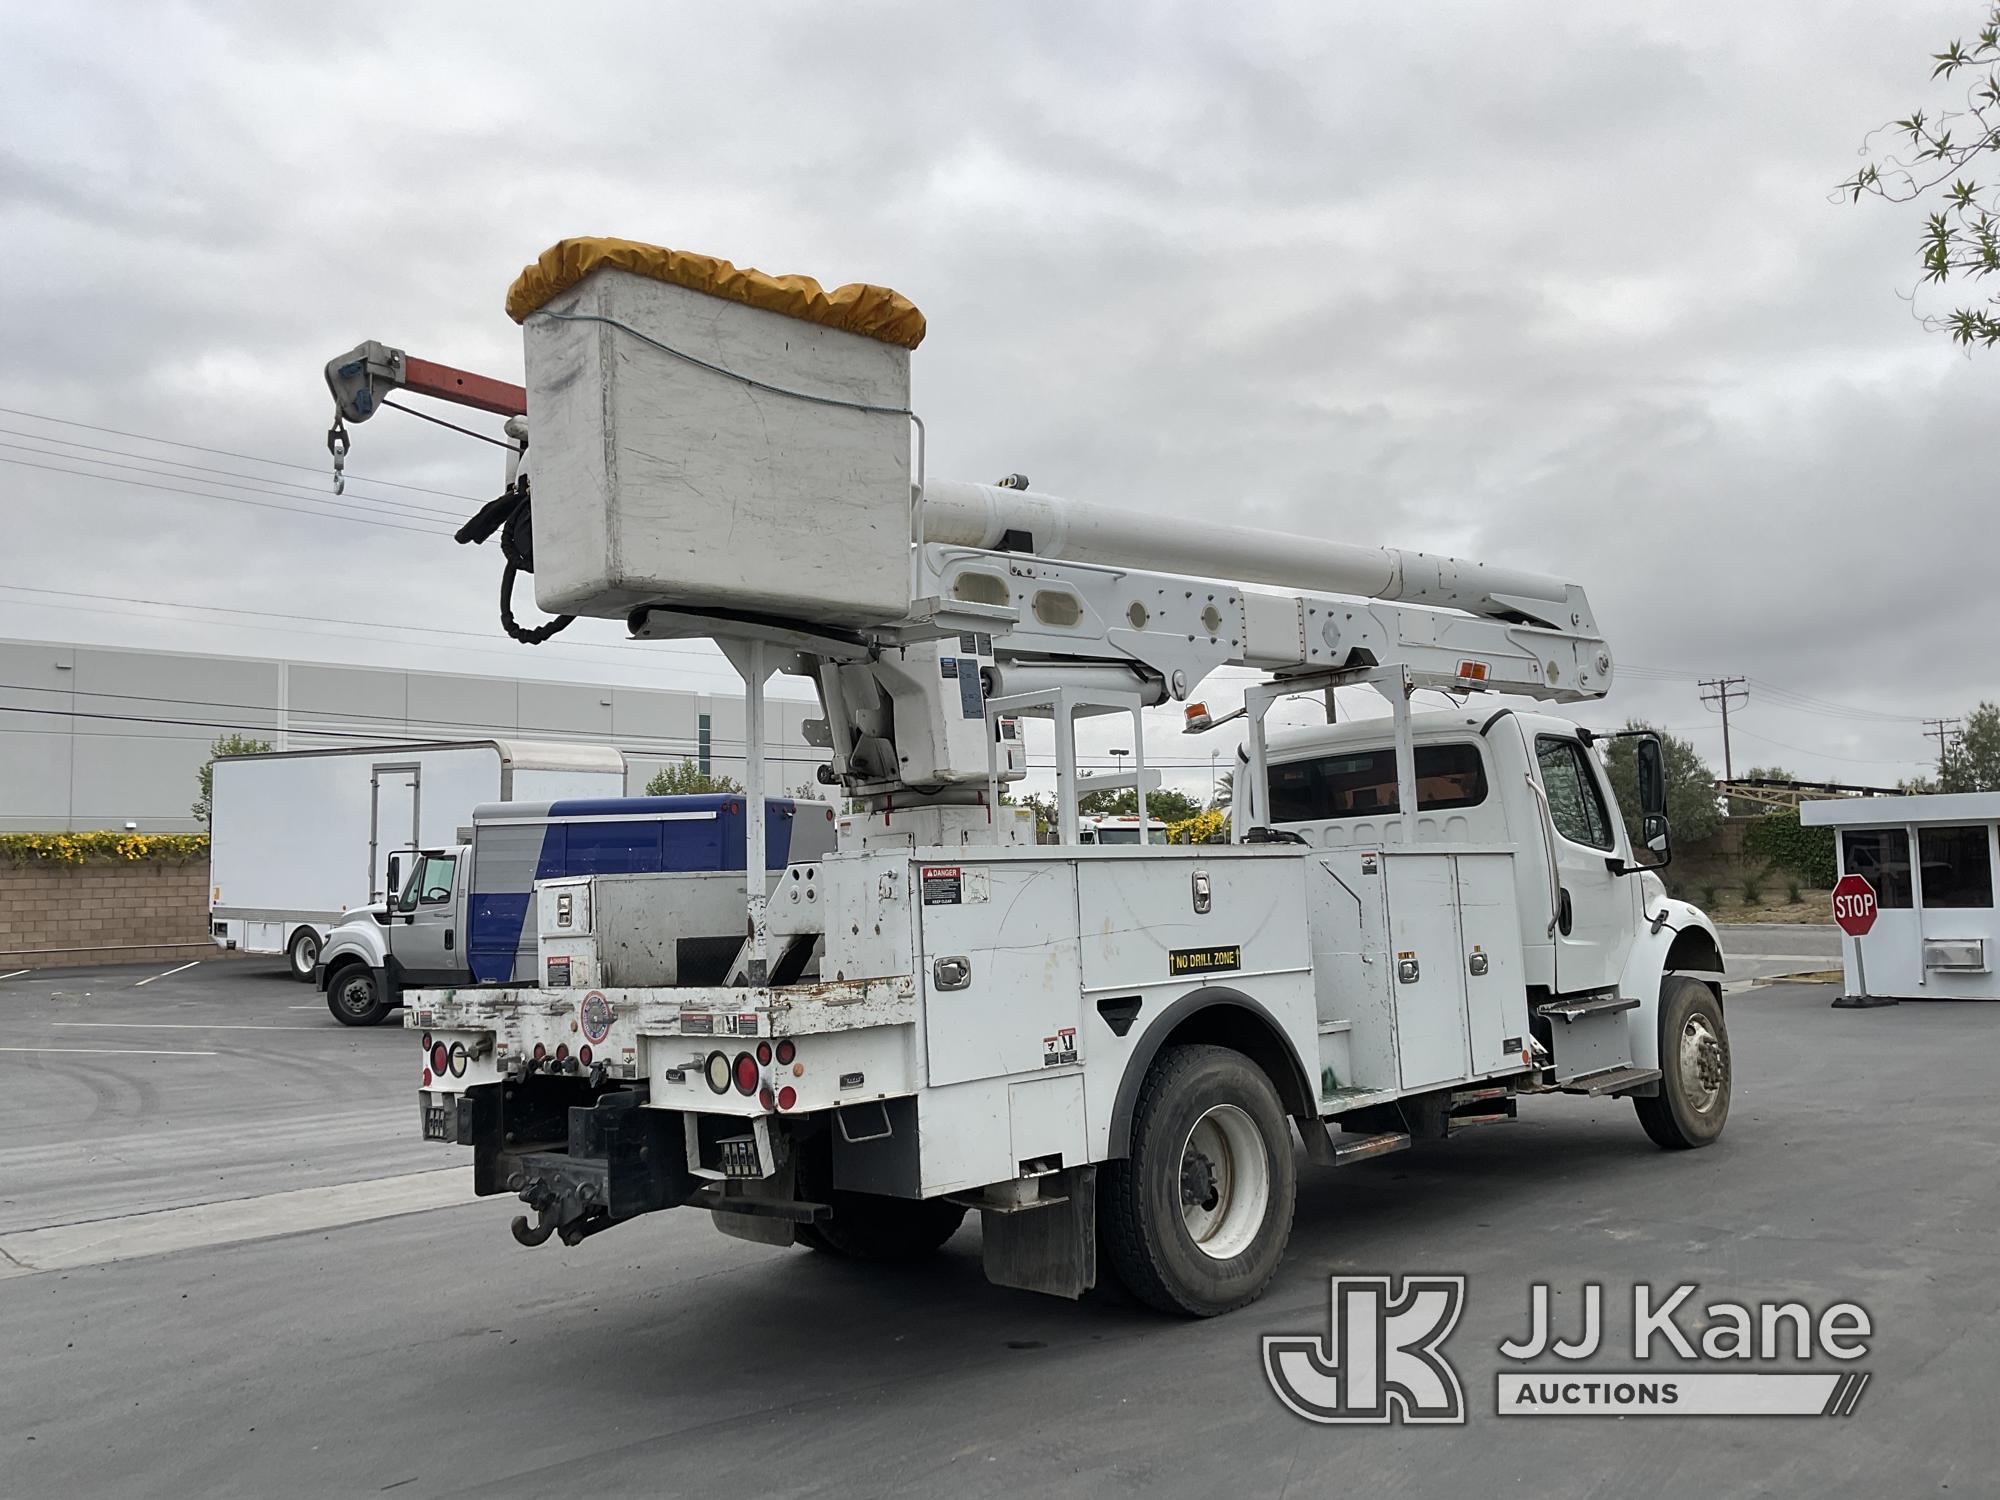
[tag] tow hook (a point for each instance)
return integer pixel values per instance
(530, 1235)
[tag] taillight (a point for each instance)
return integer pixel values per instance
(787, 1050)
(716, 1068)
(427, 1077)
(746, 1073)
(787, 1097)
(440, 1057)
(763, 1052)
(562, 1051)
(766, 1098)
(427, 1041)
(457, 1059)
(583, 1055)
(541, 1052)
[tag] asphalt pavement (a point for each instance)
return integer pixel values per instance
(228, 1267)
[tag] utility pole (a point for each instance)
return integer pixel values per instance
(1944, 731)
(1728, 692)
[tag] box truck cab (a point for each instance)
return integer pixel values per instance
(461, 915)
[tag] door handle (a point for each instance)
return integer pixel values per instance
(447, 940)
(953, 973)
(1564, 916)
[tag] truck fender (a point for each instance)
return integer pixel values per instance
(1684, 943)
(1226, 1018)
(348, 944)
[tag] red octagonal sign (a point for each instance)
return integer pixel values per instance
(1854, 905)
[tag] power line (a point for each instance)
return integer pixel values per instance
(1728, 690)
(324, 515)
(631, 652)
(288, 488)
(13, 411)
(396, 508)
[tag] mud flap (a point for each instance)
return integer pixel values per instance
(1048, 1247)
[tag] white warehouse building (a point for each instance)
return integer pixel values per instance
(96, 737)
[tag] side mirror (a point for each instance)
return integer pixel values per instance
(1657, 836)
(395, 882)
(1652, 785)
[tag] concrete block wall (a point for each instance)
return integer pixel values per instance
(59, 915)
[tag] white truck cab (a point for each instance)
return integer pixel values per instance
(1503, 779)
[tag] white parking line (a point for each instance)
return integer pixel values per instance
(169, 974)
(59, 1247)
(109, 1051)
(16, 974)
(184, 1026)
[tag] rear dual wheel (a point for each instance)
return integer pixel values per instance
(1195, 1220)
(302, 954)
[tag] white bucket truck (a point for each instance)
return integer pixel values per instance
(1104, 1050)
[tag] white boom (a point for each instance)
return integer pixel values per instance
(982, 515)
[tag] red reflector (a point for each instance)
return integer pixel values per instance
(427, 1041)
(562, 1051)
(746, 1073)
(787, 1050)
(540, 1052)
(787, 1097)
(583, 1055)
(763, 1052)
(427, 1077)
(440, 1057)
(764, 1098)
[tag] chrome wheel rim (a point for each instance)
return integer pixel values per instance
(1225, 1182)
(1703, 1065)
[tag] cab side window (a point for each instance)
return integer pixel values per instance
(437, 873)
(429, 883)
(1576, 806)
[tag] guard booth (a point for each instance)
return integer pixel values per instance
(1930, 860)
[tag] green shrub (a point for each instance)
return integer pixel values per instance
(1794, 891)
(1781, 840)
(1711, 896)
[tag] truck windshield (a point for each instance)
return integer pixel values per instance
(1129, 835)
(1362, 783)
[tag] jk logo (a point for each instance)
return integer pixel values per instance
(1379, 1361)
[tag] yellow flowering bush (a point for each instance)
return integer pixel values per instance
(1199, 829)
(107, 846)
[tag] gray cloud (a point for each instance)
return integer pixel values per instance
(1551, 287)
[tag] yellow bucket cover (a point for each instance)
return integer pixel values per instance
(872, 311)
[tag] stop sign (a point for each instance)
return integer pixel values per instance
(1854, 905)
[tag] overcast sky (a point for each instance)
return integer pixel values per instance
(1555, 286)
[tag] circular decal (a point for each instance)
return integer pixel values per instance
(597, 1016)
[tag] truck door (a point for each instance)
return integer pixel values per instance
(423, 928)
(393, 805)
(1596, 911)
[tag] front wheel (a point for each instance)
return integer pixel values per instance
(1196, 1219)
(303, 954)
(1695, 1068)
(354, 995)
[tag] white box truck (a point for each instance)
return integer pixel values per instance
(299, 838)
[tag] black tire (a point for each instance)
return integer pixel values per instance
(354, 995)
(866, 1227)
(1148, 1210)
(302, 953)
(1693, 1102)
